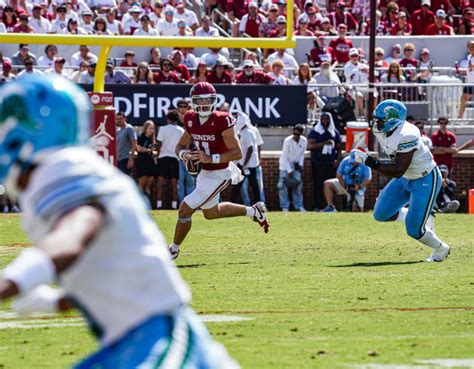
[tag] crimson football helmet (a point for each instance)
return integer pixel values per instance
(203, 98)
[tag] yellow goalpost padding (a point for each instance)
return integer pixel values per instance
(107, 42)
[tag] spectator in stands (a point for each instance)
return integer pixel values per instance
(22, 26)
(143, 74)
(271, 23)
(166, 75)
(182, 107)
(88, 76)
(145, 29)
(145, 163)
(357, 73)
(278, 74)
(156, 16)
(391, 15)
(74, 76)
(321, 53)
(102, 6)
(28, 62)
(47, 60)
(9, 18)
(231, 70)
(395, 54)
(211, 57)
(313, 17)
(87, 21)
(402, 27)
(155, 55)
(380, 25)
(426, 140)
(303, 29)
(394, 74)
(126, 143)
(39, 23)
(113, 25)
(409, 62)
(186, 15)
(326, 29)
(58, 67)
(183, 29)
(83, 55)
(252, 76)
(305, 76)
(206, 30)
(280, 31)
(251, 21)
(327, 77)
(249, 162)
(219, 74)
(289, 62)
(468, 90)
(444, 144)
(59, 25)
(115, 76)
(291, 166)
(129, 61)
(466, 26)
(380, 63)
(22, 54)
(445, 202)
(250, 55)
(189, 59)
(176, 57)
(70, 12)
(74, 29)
(100, 27)
(422, 18)
(168, 163)
(324, 144)
(132, 23)
(352, 179)
(439, 27)
(341, 16)
(341, 45)
(200, 75)
(168, 26)
(7, 74)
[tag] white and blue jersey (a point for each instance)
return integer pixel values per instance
(417, 188)
(124, 283)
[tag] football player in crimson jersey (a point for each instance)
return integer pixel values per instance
(213, 134)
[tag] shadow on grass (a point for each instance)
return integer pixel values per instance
(381, 263)
(185, 266)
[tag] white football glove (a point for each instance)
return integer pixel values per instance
(41, 300)
(360, 156)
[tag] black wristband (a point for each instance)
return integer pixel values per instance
(372, 163)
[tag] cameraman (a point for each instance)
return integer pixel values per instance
(290, 165)
(351, 180)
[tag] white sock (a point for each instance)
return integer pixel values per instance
(402, 214)
(250, 211)
(430, 239)
(174, 204)
(174, 247)
(159, 204)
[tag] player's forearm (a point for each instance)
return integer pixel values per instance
(231, 155)
(248, 154)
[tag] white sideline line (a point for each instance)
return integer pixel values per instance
(216, 318)
(450, 363)
(424, 364)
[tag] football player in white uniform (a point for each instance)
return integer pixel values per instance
(416, 180)
(92, 236)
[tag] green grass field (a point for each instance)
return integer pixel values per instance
(321, 291)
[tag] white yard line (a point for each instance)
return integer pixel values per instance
(423, 364)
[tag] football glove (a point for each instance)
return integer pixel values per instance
(41, 300)
(364, 158)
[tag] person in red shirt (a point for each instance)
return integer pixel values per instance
(466, 26)
(444, 144)
(9, 18)
(321, 53)
(251, 76)
(216, 147)
(341, 45)
(391, 15)
(340, 16)
(422, 18)
(409, 62)
(218, 74)
(23, 26)
(176, 57)
(166, 75)
(251, 22)
(128, 62)
(303, 28)
(402, 27)
(439, 27)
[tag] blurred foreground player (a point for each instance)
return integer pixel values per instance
(416, 180)
(91, 235)
(216, 145)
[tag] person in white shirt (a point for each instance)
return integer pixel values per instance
(206, 30)
(168, 26)
(168, 163)
(113, 25)
(187, 15)
(59, 25)
(83, 55)
(156, 15)
(48, 60)
(291, 165)
(58, 68)
(357, 72)
(468, 90)
(183, 29)
(88, 76)
(189, 59)
(212, 56)
(87, 22)
(304, 76)
(145, 29)
(290, 63)
(103, 6)
(132, 22)
(39, 23)
(29, 68)
(278, 74)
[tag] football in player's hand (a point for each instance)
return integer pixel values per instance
(193, 167)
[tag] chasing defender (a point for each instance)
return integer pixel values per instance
(212, 132)
(91, 234)
(416, 180)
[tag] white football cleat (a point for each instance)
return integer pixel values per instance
(174, 252)
(439, 254)
(260, 215)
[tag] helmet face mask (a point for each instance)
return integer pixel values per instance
(203, 99)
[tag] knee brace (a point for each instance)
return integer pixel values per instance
(184, 219)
